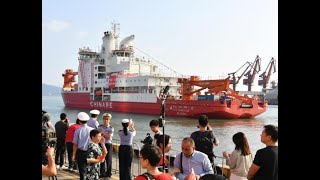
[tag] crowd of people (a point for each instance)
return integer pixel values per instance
(89, 149)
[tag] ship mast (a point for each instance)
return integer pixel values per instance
(116, 29)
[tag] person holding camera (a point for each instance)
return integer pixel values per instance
(61, 129)
(50, 169)
(125, 150)
(46, 117)
(205, 138)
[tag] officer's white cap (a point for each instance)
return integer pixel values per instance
(125, 120)
(82, 116)
(95, 112)
(107, 115)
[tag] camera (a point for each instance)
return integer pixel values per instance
(46, 142)
(148, 139)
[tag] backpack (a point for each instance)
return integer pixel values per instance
(148, 176)
(203, 143)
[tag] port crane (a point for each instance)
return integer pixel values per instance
(235, 81)
(265, 78)
(252, 73)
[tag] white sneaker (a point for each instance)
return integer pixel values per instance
(63, 167)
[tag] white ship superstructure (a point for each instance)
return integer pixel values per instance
(118, 75)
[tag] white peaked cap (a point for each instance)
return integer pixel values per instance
(95, 112)
(82, 116)
(125, 120)
(106, 115)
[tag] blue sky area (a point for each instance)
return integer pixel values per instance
(209, 38)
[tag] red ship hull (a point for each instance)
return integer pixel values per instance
(182, 108)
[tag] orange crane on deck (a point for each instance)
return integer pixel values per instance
(265, 78)
(69, 79)
(187, 86)
(212, 87)
(252, 73)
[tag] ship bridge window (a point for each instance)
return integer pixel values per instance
(121, 54)
(101, 68)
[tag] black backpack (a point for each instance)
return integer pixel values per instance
(203, 143)
(148, 176)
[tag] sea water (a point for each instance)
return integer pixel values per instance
(177, 127)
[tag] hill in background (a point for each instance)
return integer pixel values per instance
(49, 90)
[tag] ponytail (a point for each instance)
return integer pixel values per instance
(125, 128)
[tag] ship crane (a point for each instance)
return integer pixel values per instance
(252, 73)
(69, 79)
(265, 78)
(213, 87)
(187, 86)
(235, 81)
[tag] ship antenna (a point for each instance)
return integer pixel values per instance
(116, 30)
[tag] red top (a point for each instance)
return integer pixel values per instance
(163, 176)
(161, 161)
(70, 132)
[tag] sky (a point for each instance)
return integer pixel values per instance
(208, 38)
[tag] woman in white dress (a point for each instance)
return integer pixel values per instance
(240, 159)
